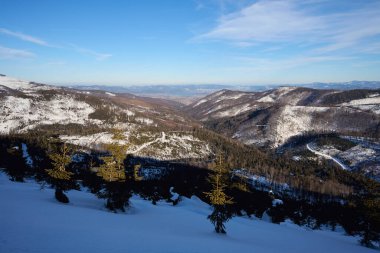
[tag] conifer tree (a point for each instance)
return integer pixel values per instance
(113, 173)
(112, 168)
(217, 196)
(61, 178)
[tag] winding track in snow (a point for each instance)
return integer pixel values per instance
(328, 157)
(162, 139)
(144, 146)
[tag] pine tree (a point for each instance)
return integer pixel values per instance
(218, 198)
(59, 175)
(61, 160)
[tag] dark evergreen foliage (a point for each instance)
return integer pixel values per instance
(219, 217)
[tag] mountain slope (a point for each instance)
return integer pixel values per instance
(154, 127)
(25, 105)
(273, 117)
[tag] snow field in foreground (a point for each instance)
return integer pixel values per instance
(32, 221)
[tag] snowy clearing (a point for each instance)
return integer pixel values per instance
(110, 94)
(32, 221)
(372, 103)
(162, 147)
(14, 83)
(200, 102)
(266, 99)
(229, 97)
(91, 140)
(230, 112)
(17, 113)
(364, 101)
(277, 94)
(144, 121)
(295, 120)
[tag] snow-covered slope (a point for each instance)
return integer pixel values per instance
(26, 106)
(273, 117)
(295, 120)
(32, 221)
(16, 84)
(221, 104)
(371, 103)
(19, 113)
(276, 95)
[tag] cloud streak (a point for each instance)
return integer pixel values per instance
(12, 53)
(25, 37)
(85, 51)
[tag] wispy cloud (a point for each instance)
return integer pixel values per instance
(25, 37)
(98, 56)
(299, 22)
(28, 38)
(12, 53)
(263, 21)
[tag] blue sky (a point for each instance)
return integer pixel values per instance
(190, 41)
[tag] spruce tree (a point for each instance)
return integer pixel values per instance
(217, 196)
(60, 177)
(112, 170)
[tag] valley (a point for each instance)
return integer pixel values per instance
(303, 146)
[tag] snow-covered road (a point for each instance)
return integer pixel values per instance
(328, 157)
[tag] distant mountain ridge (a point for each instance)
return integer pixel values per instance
(199, 90)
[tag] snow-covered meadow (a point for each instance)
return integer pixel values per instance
(32, 221)
(163, 146)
